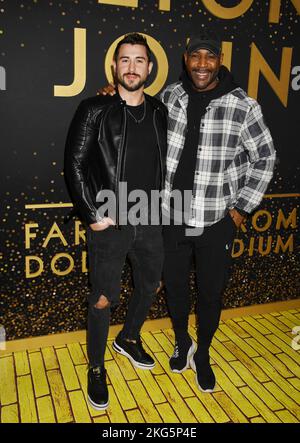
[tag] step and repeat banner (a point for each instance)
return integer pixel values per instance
(53, 54)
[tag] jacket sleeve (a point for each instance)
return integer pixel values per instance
(81, 137)
(257, 141)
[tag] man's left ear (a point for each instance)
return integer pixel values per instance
(221, 58)
(185, 57)
(150, 67)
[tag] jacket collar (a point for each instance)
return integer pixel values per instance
(118, 99)
(183, 96)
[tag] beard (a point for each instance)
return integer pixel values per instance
(131, 85)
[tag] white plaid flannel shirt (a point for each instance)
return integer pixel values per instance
(235, 158)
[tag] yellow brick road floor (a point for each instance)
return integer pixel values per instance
(256, 367)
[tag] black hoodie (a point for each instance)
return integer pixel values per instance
(198, 102)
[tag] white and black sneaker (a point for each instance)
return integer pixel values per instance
(205, 377)
(134, 351)
(180, 360)
(97, 388)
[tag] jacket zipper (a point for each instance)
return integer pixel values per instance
(159, 149)
(119, 168)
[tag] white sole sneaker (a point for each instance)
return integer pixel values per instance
(96, 406)
(189, 356)
(193, 366)
(135, 363)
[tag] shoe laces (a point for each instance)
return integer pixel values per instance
(139, 342)
(97, 372)
(176, 351)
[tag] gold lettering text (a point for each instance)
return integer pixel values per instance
(240, 245)
(79, 67)
(275, 6)
(259, 65)
(280, 246)
(28, 260)
(28, 234)
(79, 233)
(226, 12)
(259, 214)
(54, 232)
(282, 221)
(84, 262)
(56, 258)
(261, 249)
(163, 5)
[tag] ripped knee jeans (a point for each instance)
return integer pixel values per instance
(107, 251)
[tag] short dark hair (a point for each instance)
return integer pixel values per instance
(133, 39)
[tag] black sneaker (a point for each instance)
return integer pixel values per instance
(97, 388)
(205, 377)
(180, 360)
(134, 351)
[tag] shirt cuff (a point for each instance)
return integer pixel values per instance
(240, 211)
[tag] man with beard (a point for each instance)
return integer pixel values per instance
(108, 138)
(222, 153)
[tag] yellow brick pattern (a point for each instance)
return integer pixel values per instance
(45, 410)
(257, 370)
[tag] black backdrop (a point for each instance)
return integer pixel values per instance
(43, 261)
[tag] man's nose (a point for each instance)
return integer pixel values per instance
(202, 62)
(132, 67)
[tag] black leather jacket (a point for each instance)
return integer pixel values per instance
(95, 149)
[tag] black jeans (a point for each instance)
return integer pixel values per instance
(107, 253)
(212, 252)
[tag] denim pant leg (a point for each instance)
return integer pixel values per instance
(146, 257)
(107, 252)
